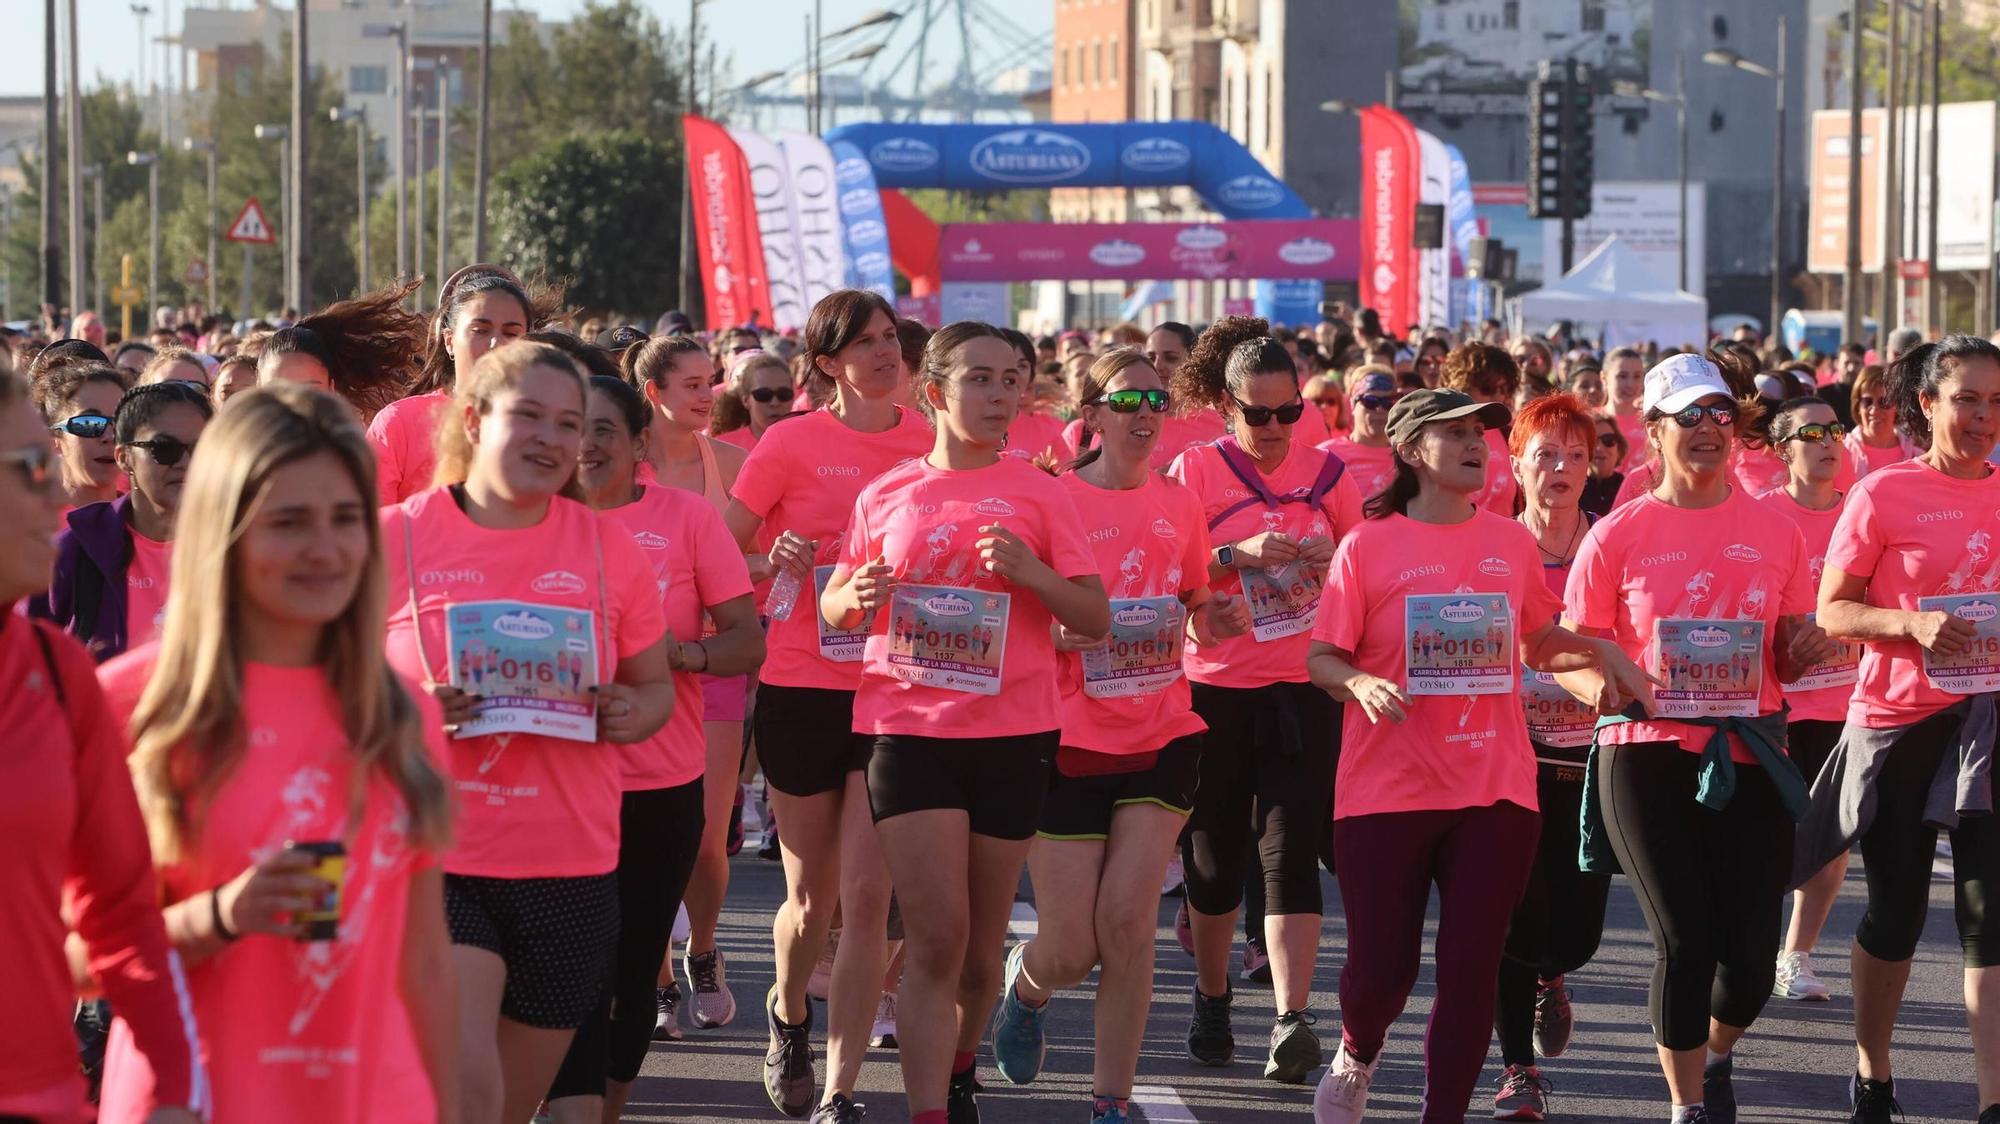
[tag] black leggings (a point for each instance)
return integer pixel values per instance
(659, 836)
(1711, 884)
(1897, 852)
(1560, 920)
(1267, 770)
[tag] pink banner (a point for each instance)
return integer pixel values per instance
(1390, 168)
(1310, 249)
(725, 227)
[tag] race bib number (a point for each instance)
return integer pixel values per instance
(836, 645)
(946, 636)
(1712, 668)
(1977, 669)
(1283, 600)
(533, 667)
(1842, 669)
(1143, 653)
(1458, 644)
(1555, 717)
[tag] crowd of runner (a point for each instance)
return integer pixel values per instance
(386, 690)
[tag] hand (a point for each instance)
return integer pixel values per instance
(1811, 646)
(794, 552)
(1067, 641)
(617, 713)
(1266, 551)
(264, 898)
(872, 585)
(1316, 550)
(1005, 556)
(762, 569)
(1379, 698)
(1942, 633)
(458, 705)
(1624, 682)
(1227, 616)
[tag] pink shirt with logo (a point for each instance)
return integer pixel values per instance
(1650, 560)
(294, 1030)
(146, 580)
(529, 806)
(1451, 751)
(1245, 661)
(925, 523)
(1372, 466)
(803, 477)
(1866, 458)
(1501, 487)
(695, 564)
(1913, 532)
(1824, 704)
(1149, 541)
(404, 434)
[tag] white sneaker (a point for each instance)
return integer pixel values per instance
(1796, 979)
(821, 980)
(883, 1034)
(1176, 877)
(1342, 1096)
(753, 818)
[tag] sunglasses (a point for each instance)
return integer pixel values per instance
(1129, 401)
(1375, 401)
(37, 467)
(1258, 416)
(1608, 440)
(1329, 400)
(165, 451)
(743, 347)
(1723, 416)
(1817, 432)
(1869, 401)
(773, 394)
(86, 426)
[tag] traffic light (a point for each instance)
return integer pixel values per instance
(1545, 179)
(1579, 130)
(1561, 148)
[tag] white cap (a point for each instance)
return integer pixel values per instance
(1679, 381)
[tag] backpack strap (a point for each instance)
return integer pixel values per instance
(1330, 471)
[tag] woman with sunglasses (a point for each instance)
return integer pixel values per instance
(77, 401)
(1366, 450)
(1275, 508)
(1131, 745)
(1697, 582)
(74, 857)
(1909, 569)
(1428, 364)
(112, 559)
(760, 392)
(1875, 442)
(1607, 452)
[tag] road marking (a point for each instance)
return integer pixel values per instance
(1023, 925)
(1941, 868)
(1157, 1104)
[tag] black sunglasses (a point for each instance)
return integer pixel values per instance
(1128, 401)
(773, 393)
(86, 426)
(1608, 440)
(166, 451)
(1375, 401)
(1257, 416)
(37, 467)
(1817, 432)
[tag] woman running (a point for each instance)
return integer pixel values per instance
(1875, 441)
(1608, 452)
(1035, 434)
(174, 363)
(1167, 347)
(64, 782)
(1910, 575)
(1275, 508)
(798, 488)
(1437, 777)
(538, 626)
(1487, 374)
(1626, 371)
(699, 572)
(957, 564)
(1700, 583)
(360, 349)
(1365, 451)
(77, 402)
(760, 392)
(1131, 745)
(295, 813)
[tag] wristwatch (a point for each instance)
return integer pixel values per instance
(1225, 556)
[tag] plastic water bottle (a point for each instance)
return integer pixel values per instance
(784, 596)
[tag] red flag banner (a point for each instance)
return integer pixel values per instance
(725, 227)
(1390, 169)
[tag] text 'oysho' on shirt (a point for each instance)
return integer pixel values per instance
(146, 581)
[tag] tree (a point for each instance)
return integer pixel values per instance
(945, 206)
(599, 212)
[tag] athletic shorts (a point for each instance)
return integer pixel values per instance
(805, 738)
(999, 782)
(555, 935)
(1082, 807)
(724, 698)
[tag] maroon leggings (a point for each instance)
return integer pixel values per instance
(1479, 859)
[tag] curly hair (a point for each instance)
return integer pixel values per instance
(56, 388)
(1225, 358)
(1480, 369)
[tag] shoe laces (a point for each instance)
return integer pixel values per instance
(1876, 1097)
(703, 969)
(1211, 1013)
(1297, 1018)
(1522, 1078)
(964, 1085)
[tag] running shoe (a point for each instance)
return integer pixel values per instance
(961, 1101)
(1110, 1110)
(768, 849)
(821, 981)
(1695, 1115)
(883, 1035)
(1294, 1048)
(1184, 929)
(736, 824)
(1523, 1095)
(1256, 965)
(1342, 1096)
(1797, 980)
(1874, 1102)
(667, 1024)
(1718, 1090)
(1555, 1020)
(839, 1110)
(1991, 1115)
(1176, 880)
(713, 1004)
(1209, 1039)
(788, 1067)
(1019, 1043)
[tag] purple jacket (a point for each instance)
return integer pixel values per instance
(86, 595)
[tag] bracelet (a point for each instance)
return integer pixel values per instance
(215, 916)
(703, 649)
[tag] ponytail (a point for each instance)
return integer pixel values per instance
(1225, 358)
(1394, 499)
(1918, 371)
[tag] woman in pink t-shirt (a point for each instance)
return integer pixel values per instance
(1699, 583)
(1910, 570)
(1875, 441)
(957, 564)
(1366, 450)
(1625, 369)
(1487, 374)
(1432, 606)
(1131, 743)
(758, 392)
(538, 625)
(267, 731)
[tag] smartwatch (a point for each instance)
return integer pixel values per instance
(1225, 556)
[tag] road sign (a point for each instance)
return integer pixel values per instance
(197, 272)
(251, 226)
(128, 294)
(1913, 269)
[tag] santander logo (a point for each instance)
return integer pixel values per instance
(557, 581)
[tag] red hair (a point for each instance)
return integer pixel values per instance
(1551, 413)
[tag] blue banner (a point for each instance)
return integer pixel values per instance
(864, 230)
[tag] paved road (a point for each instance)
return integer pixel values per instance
(1793, 1067)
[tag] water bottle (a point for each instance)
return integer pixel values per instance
(784, 595)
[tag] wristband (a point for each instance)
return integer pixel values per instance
(215, 916)
(703, 649)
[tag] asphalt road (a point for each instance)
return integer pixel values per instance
(1792, 1067)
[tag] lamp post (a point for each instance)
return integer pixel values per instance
(359, 116)
(1679, 102)
(151, 162)
(479, 140)
(207, 149)
(687, 166)
(283, 135)
(443, 73)
(1729, 58)
(399, 31)
(95, 174)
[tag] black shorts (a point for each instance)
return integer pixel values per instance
(999, 782)
(1810, 742)
(805, 738)
(1082, 807)
(554, 934)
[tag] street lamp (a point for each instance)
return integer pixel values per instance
(283, 135)
(95, 174)
(399, 31)
(1680, 104)
(207, 148)
(141, 11)
(359, 116)
(1725, 57)
(151, 162)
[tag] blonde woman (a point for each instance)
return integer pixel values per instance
(759, 392)
(295, 816)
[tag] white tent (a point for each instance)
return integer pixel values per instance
(1611, 294)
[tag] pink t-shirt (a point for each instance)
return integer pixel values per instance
(1372, 466)
(1633, 426)
(146, 588)
(1149, 542)
(1913, 532)
(1456, 751)
(1501, 487)
(1033, 434)
(695, 564)
(925, 522)
(529, 805)
(1865, 458)
(1245, 661)
(404, 434)
(1072, 438)
(1822, 704)
(1757, 470)
(1650, 560)
(742, 438)
(803, 477)
(1638, 481)
(293, 1030)
(1179, 433)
